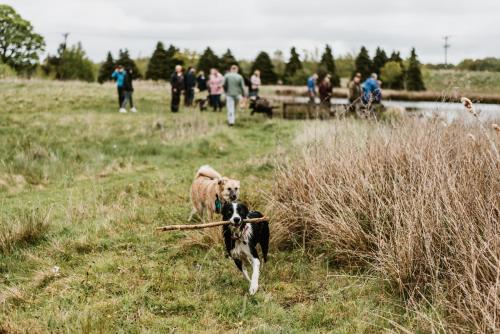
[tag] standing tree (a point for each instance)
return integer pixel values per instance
(264, 64)
(158, 64)
(208, 60)
(74, 65)
(127, 62)
(363, 63)
(391, 74)
(294, 64)
(379, 60)
(414, 79)
(399, 82)
(106, 69)
(327, 66)
(279, 63)
(227, 60)
(19, 44)
(173, 59)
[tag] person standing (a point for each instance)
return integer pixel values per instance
(201, 81)
(119, 76)
(355, 93)
(190, 82)
(255, 83)
(325, 90)
(311, 88)
(177, 83)
(128, 91)
(215, 85)
(234, 86)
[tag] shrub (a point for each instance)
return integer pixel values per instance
(417, 203)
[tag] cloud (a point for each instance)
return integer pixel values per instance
(253, 25)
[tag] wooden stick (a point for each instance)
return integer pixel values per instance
(200, 226)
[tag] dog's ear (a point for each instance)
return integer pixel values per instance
(225, 210)
(243, 210)
(221, 181)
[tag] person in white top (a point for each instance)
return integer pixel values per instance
(255, 84)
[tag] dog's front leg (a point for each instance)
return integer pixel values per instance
(254, 282)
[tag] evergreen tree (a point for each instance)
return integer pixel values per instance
(227, 60)
(294, 64)
(414, 79)
(264, 64)
(327, 66)
(127, 62)
(173, 59)
(398, 83)
(106, 69)
(208, 60)
(363, 63)
(379, 60)
(158, 64)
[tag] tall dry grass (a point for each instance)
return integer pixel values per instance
(417, 203)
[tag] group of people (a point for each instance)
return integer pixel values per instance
(123, 78)
(368, 92)
(232, 84)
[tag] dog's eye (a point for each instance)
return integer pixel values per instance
(236, 188)
(229, 189)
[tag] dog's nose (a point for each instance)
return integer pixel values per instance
(236, 220)
(232, 197)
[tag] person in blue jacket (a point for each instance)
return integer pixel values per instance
(119, 76)
(311, 87)
(371, 90)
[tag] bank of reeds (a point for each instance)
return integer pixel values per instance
(417, 203)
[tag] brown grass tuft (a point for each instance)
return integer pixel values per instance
(417, 203)
(22, 227)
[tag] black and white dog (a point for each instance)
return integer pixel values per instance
(241, 240)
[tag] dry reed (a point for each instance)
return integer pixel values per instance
(417, 203)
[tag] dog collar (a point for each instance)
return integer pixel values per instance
(218, 204)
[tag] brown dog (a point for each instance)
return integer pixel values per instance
(210, 191)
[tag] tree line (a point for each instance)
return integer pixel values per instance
(20, 47)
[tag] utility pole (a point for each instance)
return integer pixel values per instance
(65, 36)
(446, 47)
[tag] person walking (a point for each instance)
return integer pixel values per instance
(311, 88)
(119, 77)
(215, 85)
(128, 91)
(234, 86)
(325, 90)
(190, 82)
(255, 83)
(177, 83)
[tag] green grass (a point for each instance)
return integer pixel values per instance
(83, 188)
(464, 82)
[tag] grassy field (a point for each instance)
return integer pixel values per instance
(83, 188)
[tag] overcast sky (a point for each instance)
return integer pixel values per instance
(248, 26)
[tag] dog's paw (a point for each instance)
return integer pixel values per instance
(253, 289)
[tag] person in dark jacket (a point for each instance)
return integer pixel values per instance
(325, 90)
(190, 82)
(201, 81)
(177, 83)
(128, 91)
